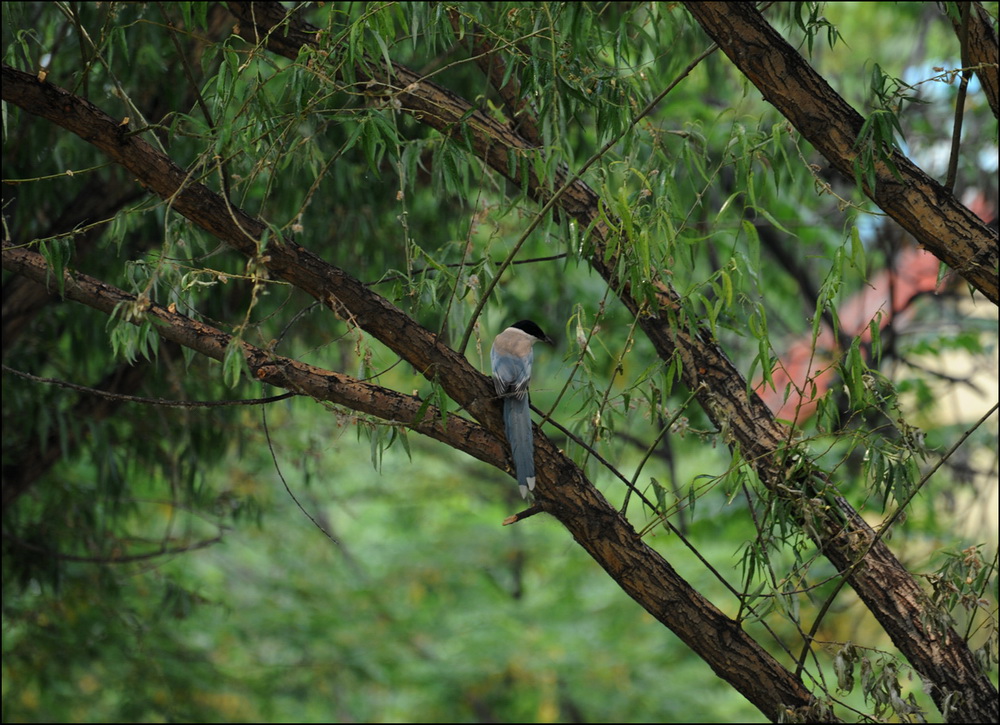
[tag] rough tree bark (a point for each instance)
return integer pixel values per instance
(983, 51)
(937, 653)
(890, 592)
(922, 206)
(565, 492)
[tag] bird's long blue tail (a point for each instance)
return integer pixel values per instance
(517, 423)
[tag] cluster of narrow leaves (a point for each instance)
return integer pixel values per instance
(709, 191)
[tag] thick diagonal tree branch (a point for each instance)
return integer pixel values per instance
(282, 372)
(491, 62)
(22, 299)
(922, 206)
(984, 54)
(890, 592)
(563, 490)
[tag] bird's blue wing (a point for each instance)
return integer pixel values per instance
(511, 375)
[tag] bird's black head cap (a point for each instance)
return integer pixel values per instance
(532, 329)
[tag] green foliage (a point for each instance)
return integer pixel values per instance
(158, 569)
(811, 22)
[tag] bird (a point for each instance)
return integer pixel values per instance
(511, 357)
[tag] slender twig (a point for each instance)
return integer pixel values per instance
(956, 134)
(288, 490)
(147, 401)
(131, 558)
